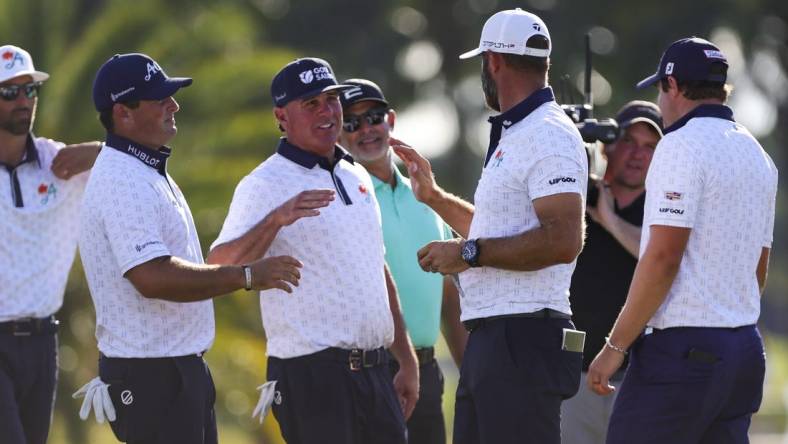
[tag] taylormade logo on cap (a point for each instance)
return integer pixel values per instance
(508, 31)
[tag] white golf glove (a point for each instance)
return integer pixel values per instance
(267, 392)
(96, 395)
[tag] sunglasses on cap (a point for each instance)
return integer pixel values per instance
(352, 122)
(11, 92)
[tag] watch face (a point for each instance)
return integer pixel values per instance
(469, 250)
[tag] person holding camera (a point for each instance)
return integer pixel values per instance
(696, 374)
(605, 266)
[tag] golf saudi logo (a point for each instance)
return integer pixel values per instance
(126, 397)
(306, 76)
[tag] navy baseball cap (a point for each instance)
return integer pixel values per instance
(690, 59)
(640, 111)
(130, 77)
(301, 79)
(360, 90)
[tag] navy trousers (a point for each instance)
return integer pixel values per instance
(513, 379)
(319, 398)
(161, 400)
(28, 376)
(426, 425)
(690, 386)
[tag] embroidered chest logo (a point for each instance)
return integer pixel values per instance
(46, 192)
(498, 158)
(672, 195)
(364, 192)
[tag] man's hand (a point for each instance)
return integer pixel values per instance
(74, 159)
(599, 372)
(303, 204)
(604, 212)
(276, 272)
(442, 257)
(406, 384)
(419, 170)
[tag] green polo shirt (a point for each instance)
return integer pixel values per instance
(409, 225)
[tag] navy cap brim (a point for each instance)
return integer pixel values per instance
(315, 92)
(166, 88)
(648, 81)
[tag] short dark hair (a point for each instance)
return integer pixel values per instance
(105, 117)
(703, 89)
(538, 65)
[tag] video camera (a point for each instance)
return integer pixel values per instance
(591, 130)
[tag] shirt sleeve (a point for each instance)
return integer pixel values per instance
(250, 204)
(132, 224)
(674, 187)
(554, 175)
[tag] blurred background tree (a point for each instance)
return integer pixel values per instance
(232, 48)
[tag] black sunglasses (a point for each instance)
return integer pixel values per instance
(352, 122)
(11, 92)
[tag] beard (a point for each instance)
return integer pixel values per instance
(17, 123)
(489, 88)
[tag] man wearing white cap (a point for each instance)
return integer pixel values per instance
(39, 202)
(524, 233)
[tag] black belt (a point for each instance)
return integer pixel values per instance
(545, 313)
(356, 358)
(425, 355)
(29, 327)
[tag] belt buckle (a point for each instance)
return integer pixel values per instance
(370, 353)
(356, 359)
(18, 331)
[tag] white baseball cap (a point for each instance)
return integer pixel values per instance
(16, 62)
(507, 31)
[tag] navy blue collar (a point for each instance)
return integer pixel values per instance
(514, 115)
(307, 159)
(524, 108)
(156, 159)
(710, 110)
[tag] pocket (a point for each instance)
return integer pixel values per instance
(661, 361)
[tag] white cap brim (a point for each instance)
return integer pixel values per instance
(471, 53)
(38, 76)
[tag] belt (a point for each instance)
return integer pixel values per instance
(356, 358)
(425, 355)
(30, 326)
(545, 313)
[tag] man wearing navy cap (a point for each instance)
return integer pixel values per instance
(604, 268)
(429, 302)
(144, 266)
(328, 376)
(696, 375)
(521, 239)
(41, 185)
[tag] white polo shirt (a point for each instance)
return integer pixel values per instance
(540, 153)
(39, 221)
(341, 300)
(134, 212)
(711, 175)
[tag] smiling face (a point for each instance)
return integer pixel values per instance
(369, 143)
(16, 116)
(628, 158)
(312, 124)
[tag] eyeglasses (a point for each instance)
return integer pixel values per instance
(11, 92)
(351, 123)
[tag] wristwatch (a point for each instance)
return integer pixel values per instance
(470, 252)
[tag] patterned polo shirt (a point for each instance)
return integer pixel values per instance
(540, 153)
(711, 175)
(39, 219)
(134, 212)
(341, 300)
